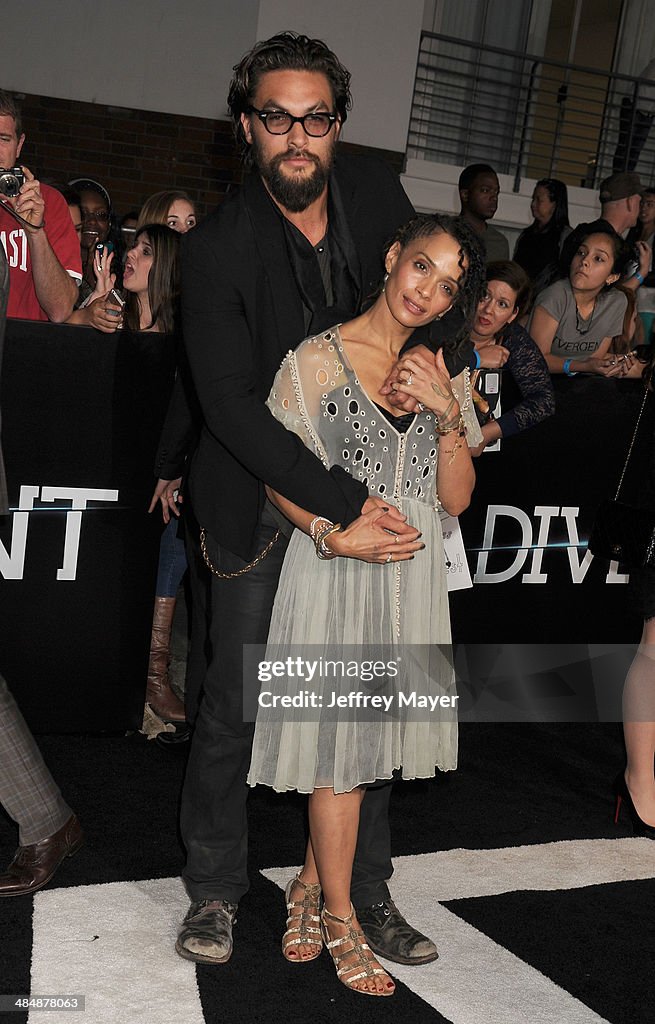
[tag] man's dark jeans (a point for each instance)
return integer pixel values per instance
(213, 818)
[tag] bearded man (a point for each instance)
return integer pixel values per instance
(298, 249)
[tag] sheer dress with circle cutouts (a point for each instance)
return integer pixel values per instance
(348, 609)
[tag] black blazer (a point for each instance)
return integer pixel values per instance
(242, 313)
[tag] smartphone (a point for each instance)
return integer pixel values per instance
(117, 299)
(103, 249)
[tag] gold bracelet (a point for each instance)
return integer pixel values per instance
(322, 550)
(449, 430)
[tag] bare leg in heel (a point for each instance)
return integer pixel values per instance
(302, 940)
(333, 825)
(639, 726)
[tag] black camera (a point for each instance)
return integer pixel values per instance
(11, 181)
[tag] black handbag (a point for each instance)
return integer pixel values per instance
(621, 532)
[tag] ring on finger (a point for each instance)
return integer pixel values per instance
(388, 559)
(409, 378)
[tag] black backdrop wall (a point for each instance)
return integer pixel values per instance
(82, 413)
(81, 419)
(531, 515)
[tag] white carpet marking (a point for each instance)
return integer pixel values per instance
(475, 979)
(131, 973)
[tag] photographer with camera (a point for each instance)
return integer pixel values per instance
(36, 231)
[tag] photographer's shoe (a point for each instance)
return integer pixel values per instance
(206, 933)
(391, 936)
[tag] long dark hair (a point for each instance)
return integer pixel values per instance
(163, 280)
(558, 194)
(286, 51)
(471, 284)
(620, 253)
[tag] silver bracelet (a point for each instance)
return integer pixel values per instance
(314, 523)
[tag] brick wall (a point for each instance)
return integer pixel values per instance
(134, 153)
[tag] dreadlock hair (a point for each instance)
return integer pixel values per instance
(286, 51)
(471, 260)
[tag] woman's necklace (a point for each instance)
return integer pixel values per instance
(582, 324)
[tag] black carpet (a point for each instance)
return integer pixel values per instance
(517, 785)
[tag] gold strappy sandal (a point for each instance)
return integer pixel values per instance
(303, 927)
(349, 954)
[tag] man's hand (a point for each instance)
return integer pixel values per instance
(367, 540)
(29, 203)
(393, 519)
(55, 289)
(167, 492)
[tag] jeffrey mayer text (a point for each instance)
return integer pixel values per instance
(355, 699)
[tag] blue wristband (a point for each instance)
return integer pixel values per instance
(567, 368)
(477, 359)
(638, 276)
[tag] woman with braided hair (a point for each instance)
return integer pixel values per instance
(360, 595)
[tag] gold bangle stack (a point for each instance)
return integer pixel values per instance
(320, 529)
(322, 550)
(449, 430)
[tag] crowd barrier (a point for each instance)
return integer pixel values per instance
(81, 418)
(78, 553)
(527, 528)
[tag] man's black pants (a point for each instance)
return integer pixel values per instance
(213, 817)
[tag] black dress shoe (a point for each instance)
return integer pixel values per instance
(391, 936)
(34, 865)
(179, 738)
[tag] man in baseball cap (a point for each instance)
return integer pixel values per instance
(620, 195)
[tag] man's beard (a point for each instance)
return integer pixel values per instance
(294, 192)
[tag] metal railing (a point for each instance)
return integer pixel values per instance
(528, 116)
